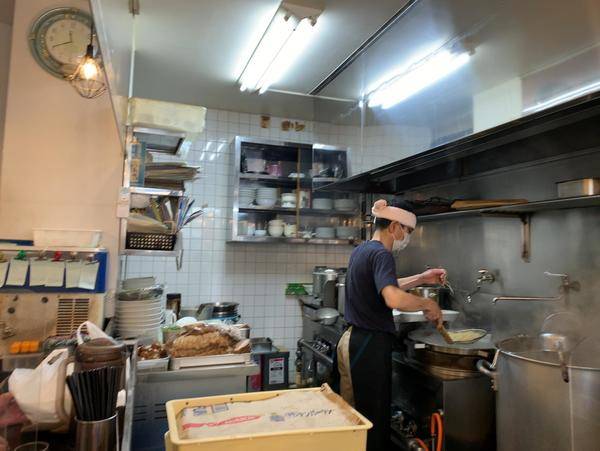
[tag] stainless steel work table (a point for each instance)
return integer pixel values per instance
(154, 389)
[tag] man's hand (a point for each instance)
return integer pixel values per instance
(435, 276)
(432, 312)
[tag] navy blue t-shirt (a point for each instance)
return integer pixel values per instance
(370, 270)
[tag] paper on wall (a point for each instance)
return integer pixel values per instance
(89, 272)
(55, 273)
(3, 271)
(38, 272)
(17, 272)
(73, 274)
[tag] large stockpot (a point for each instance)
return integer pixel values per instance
(537, 407)
(324, 286)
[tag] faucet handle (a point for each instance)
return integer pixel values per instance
(566, 284)
(551, 274)
(485, 276)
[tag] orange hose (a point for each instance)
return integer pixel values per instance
(437, 429)
(421, 444)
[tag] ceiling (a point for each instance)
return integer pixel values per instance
(193, 51)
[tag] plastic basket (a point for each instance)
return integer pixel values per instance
(347, 438)
(150, 241)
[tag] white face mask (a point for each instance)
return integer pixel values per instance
(400, 245)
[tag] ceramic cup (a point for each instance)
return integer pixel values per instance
(290, 230)
(276, 231)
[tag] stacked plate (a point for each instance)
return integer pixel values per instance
(267, 197)
(344, 204)
(325, 232)
(247, 196)
(140, 309)
(323, 203)
(139, 318)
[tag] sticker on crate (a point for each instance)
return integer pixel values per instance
(291, 410)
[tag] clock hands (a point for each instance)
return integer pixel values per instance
(70, 41)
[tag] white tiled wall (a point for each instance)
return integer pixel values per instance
(255, 275)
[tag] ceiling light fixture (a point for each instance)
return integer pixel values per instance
(587, 89)
(416, 78)
(282, 42)
(88, 78)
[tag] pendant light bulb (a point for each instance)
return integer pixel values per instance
(88, 78)
(89, 69)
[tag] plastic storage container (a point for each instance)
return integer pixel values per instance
(66, 237)
(347, 438)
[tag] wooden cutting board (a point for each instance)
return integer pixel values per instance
(485, 203)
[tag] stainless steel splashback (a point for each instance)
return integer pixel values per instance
(564, 241)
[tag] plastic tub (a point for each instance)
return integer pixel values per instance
(66, 237)
(347, 438)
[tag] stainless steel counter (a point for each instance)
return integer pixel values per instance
(154, 389)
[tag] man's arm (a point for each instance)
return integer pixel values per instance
(436, 276)
(406, 283)
(395, 298)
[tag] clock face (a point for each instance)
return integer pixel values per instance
(59, 39)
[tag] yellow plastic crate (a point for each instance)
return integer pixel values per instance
(347, 438)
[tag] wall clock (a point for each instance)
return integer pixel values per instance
(58, 40)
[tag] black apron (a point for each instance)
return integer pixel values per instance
(364, 362)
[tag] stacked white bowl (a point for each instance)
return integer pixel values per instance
(323, 203)
(139, 318)
(344, 204)
(267, 197)
(139, 310)
(247, 196)
(346, 232)
(288, 200)
(325, 232)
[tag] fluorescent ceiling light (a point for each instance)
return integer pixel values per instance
(279, 46)
(416, 78)
(563, 97)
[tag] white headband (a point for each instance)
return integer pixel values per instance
(382, 210)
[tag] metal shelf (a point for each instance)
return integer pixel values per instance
(149, 253)
(275, 178)
(155, 191)
(517, 209)
(283, 239)
(303, 211)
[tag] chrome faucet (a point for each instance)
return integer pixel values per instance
(563, 290)
(485, 276)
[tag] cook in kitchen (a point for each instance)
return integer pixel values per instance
(372, 291)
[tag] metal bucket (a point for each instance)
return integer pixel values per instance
(535, 407)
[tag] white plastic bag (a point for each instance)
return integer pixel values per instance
(93, 332)
(40, 392)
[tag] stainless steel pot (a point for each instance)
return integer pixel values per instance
(324, 286)
(215, 310)
(436, 293)
(535, 407)
(326, 316)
